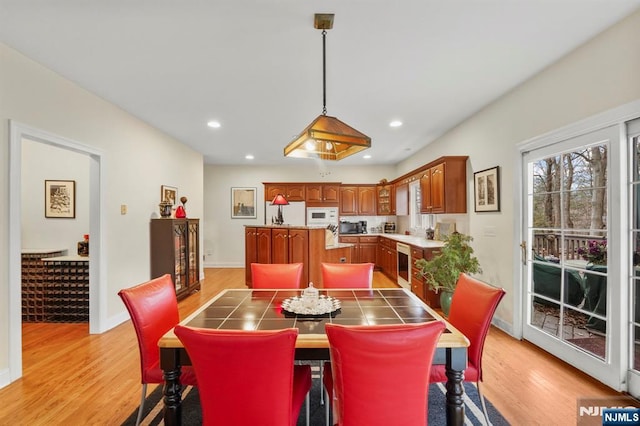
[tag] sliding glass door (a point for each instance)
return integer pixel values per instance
(567, 211)
(633, 259)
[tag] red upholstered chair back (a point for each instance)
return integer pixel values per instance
(381, 373)
(347, 275)
(472, 309)
(153, 308)
(276, 275)
(244, 377)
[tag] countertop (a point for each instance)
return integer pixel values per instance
(287, 226)
(413, 240)
(41, 250)
(66, 259)
(339, 245)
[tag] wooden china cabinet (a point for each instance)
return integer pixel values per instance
(175, 251)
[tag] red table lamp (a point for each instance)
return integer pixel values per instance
(279, 201)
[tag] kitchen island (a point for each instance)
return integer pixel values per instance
(308, 245)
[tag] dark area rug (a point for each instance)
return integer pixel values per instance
(191, 414)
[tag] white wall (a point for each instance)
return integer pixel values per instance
(598, 76)
(42, 162)
(136, 160)
(224, 237)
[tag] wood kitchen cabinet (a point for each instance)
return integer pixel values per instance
(175, 251)
(285, 244)
(367, 249)
(291, 245)
(321, 194)
(418, 286)
(358, 200)
(257, 248)
(443, 186)
(385, 200)
(387, 258)
(291, 191)
(364, 248)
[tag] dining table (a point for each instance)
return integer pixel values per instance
(253, 309)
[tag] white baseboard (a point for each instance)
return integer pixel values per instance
(223, 265)
(5, 378)
(504, 326)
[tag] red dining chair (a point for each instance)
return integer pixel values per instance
(472, 309)
(247, 377)
(347, 275)
(380, 374)
(276, 275)
(153, 308)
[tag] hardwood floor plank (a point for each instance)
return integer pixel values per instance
(71, 377)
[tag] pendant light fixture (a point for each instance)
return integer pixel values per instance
(326, 138)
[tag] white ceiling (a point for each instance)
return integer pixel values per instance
(256, 65)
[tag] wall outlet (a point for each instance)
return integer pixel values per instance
(123, 209)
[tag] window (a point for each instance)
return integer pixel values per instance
(414, 206)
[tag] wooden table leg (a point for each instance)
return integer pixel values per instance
(172, 391)
(454, 369)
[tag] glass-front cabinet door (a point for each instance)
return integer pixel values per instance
(180, 256)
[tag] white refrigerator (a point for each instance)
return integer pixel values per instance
(295, 213)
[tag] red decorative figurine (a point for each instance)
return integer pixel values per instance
(180, 211)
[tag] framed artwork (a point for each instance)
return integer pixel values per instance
(243, 203)
(60, 198)
(169, 193)
(486, 190)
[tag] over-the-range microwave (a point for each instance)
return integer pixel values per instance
(322, 216)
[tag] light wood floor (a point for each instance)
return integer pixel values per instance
(73, 378)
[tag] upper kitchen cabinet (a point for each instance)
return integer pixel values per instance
(320, 194)
(443, 186)
(358, 200)
(291, 191)
(386, 200)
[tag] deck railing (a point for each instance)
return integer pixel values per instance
(550, 244)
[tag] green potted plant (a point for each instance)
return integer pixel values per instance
(442, 271)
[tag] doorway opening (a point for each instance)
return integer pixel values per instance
(19, 133)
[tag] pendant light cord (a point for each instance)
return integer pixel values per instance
(324, 73)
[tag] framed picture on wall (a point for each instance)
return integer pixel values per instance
(168, 193)
(243, 203)
(60, 199)
(486, 190)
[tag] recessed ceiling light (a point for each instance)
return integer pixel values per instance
(395, 123)
(366, 156)
(249, 157)
(214, 124)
